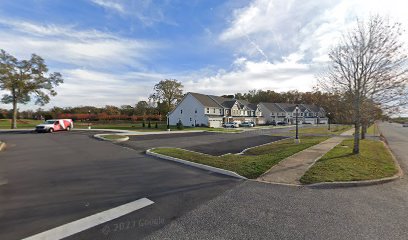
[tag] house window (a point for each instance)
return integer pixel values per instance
(208, 110)
(195, 111)
(214, 110)
(191, 119)
(181, 111)
(220, 111)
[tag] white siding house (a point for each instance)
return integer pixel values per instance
(189, 111)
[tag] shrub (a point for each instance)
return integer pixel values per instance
(156, 126)
(180, 125)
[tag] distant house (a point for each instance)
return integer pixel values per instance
(286, 112)
(197, 109)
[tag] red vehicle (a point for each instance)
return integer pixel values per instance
(53, 125)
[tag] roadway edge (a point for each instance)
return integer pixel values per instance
(193, 164)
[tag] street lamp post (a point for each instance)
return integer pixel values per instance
(297, 126)
(89, 119)
(328, 120)
(168, 123)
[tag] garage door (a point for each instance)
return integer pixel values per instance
(215, 123)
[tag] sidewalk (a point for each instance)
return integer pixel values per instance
(291, 169)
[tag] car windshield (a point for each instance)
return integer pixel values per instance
(49, 122)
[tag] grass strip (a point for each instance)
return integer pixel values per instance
(339, 164)
(334, 130)
(113, 137)
(253, 162)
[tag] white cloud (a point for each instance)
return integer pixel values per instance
(67, 45)
(268, 36)
(148, 12)
(281, 27)
(110, 5)
(247, 75)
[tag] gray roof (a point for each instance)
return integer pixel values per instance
(313, 108)
(272, 107)
(205, 100)
(216, 101)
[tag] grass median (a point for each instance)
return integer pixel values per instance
(334, 130)
(339, 164)
(114, 137)
(253, 162)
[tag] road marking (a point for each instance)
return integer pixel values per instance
(91, 221)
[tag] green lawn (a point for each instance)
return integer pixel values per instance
(334, 130)
(21, 123)
(113, 137)
(373, 130)
(253, 163)
(339, 164)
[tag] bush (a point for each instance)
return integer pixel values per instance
(156, 126)
(180, 125)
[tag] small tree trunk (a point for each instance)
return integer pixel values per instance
(14, 121)
(363, 130)
(356, 148)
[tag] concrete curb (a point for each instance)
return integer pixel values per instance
(193, 164)
(2, 146)
(246, 149)
(100, 136)
(396, 176)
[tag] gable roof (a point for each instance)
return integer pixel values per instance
(273, 107)
(313, 108)
(205, 100)
(222, 102)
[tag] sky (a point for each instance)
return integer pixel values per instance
(112, 52)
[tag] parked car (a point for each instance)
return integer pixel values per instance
(282, 123)
(231, 125)
(246, 124)
(253, 124)
(405, 124)
(273, 123)
(53, 125)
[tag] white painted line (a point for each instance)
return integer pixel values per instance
(91, 221)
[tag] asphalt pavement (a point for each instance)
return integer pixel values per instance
(254, 210)
(57, 178)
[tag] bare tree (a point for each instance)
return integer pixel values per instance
(369, 64)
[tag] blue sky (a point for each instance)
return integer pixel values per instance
(114, 51)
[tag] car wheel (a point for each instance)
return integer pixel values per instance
(69, 128)
(51, 130)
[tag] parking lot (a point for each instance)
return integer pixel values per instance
(53, 179)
